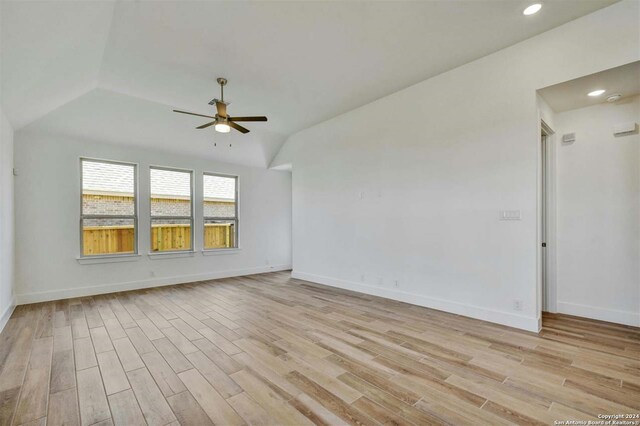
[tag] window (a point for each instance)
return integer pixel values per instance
(220, 211)
(171, 210)
(108, 216)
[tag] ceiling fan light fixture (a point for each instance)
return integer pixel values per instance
(222, 127)
(222, 123)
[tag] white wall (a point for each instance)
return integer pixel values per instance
(435, 164)
(598, 184)
(47, 221)
(7, 299)
(547, 114)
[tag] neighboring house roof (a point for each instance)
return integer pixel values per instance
(107, 178)
(219, 188)
(166, 183)
(110, 178)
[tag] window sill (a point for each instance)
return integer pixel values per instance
(92, 260)
(218, 252)
(170, 254)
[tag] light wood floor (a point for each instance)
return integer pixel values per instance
(270, 350)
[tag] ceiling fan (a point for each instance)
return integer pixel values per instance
(221, 121)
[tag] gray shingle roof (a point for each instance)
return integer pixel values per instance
(107, 177)
(170, 182)
(110, 178)
(219, 188)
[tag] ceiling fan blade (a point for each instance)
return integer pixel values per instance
(238, 127)
(207, 125)
(193, 113)
(222, 109)
(258, 118)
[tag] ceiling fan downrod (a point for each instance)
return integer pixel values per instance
(222, 82)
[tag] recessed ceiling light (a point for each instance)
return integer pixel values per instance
(534, 8)
(614, 97)
(596, 93)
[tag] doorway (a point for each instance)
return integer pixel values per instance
(546, 218)
(588, 197)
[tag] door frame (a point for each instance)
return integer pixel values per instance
(548, 264)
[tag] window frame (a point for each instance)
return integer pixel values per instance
(134, 217)
(236, 217)
(191, 218)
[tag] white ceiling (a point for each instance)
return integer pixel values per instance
(624, 80)
(122, 119)
(79, 67)
(50, 53)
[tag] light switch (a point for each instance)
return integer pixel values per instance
(510, 215)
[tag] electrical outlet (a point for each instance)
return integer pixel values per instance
(517, 305)
(152, 274)
(362, 277)
(396, 283)
(361, 195)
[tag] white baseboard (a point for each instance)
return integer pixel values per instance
(4, 317)
(45, 296)
(610, 315)
(499, 317)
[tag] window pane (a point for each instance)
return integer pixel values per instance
(219, 234)
(170, 193)
(219, 196)
(108, 236)
(170, 234)
(107, 188)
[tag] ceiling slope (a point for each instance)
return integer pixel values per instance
(51, 53)
(304, 62)
(108, 116)
(299, 63)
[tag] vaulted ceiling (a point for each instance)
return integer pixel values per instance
(114, 70)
